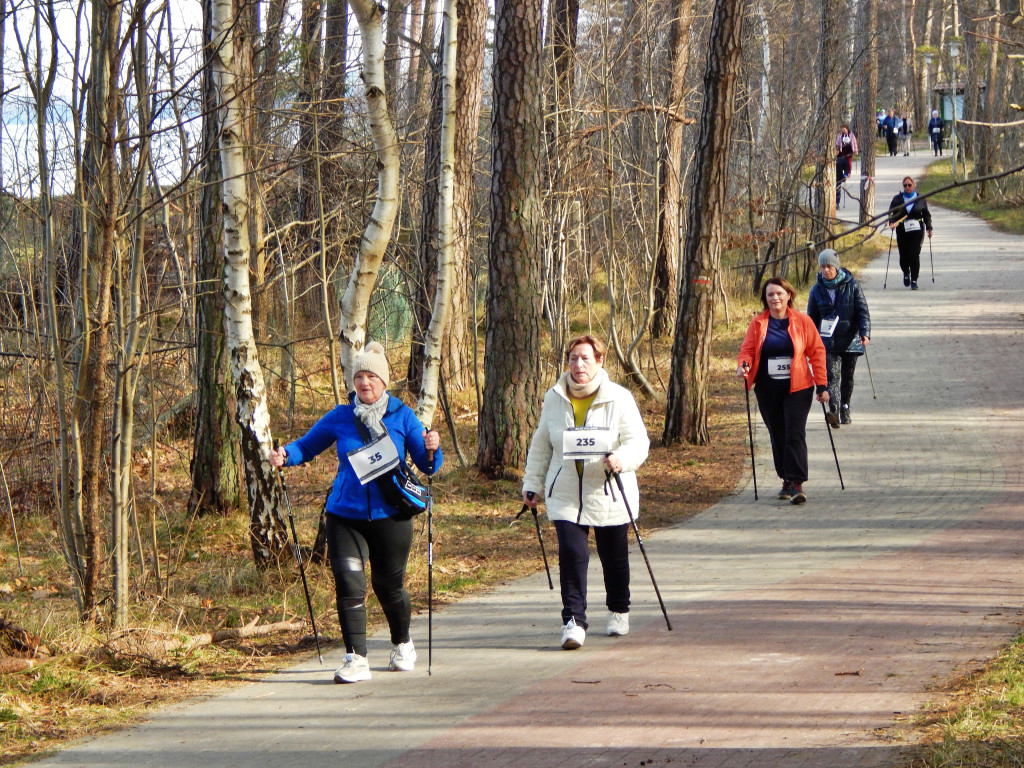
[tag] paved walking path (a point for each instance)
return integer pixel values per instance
(800, 633)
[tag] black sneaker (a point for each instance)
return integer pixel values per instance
(787, 490)
(906, 280)
(832, 418)
(799, 497)
(844, 415)
(913, 285)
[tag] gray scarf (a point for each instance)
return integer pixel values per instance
(372, 415)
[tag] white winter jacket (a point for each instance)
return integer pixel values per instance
(592, 499)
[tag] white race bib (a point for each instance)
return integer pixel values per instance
(374, 459)
(586, 443)
(828, 327)
(911, 225)
(779, 367)
(936, 129)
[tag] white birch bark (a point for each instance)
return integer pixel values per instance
(267, 529)
(432, 342)
(355, 302)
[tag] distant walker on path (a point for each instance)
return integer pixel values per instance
(910, 217)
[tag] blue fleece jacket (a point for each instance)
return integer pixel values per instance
(348, 498)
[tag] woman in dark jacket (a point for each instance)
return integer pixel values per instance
(838, 307)
(361, 525)
(910, 217)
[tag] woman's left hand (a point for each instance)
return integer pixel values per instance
(823, 396)
(613, 463)
(431, 441)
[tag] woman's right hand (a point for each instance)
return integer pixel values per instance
(278, 457)
(741, 370)
(530, 499)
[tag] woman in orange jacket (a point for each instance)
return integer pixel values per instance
(783, 357)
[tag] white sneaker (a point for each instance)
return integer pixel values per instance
(573, 635)
(353, 669)
(618, 624)
(403, 658)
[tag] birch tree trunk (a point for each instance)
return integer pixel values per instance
(433, 339)
(686, 414)
(355, 302)
(267, 532)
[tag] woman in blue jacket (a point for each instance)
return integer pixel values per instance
(361, 525)
(838, 307)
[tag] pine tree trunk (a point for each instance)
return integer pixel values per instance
(686, 415)
(214, 468)
(666, 265)
(512, 371)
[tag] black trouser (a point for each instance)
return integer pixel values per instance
(890, 141)
(937, 144)
(385, 543)
(785, 415)
(841, 366)
(909, 244)
(574, 557)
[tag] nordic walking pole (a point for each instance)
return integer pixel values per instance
(636, 530)
(892, 232)
(829, 427)
(536, 522)
(298, 558)
(430, 567)
(870, 377)
(750, 430)
(931, 258)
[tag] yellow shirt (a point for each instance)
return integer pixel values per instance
(580, 406)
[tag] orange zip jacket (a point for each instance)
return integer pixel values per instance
(806, 345)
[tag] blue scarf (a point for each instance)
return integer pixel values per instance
(909, 200)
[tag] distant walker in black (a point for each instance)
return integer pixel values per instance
(910, 217)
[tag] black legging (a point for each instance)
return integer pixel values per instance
(385, 544)
(573, 558)
(785, 415)
(909, 244)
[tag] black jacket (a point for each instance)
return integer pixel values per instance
(936, 122)
(898, 210)
(849, 306)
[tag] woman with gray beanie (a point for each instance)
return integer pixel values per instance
(838, 307)
(362, 526)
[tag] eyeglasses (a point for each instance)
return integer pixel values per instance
(908, 186)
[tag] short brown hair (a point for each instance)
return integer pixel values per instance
(783, 283)
(586, 338)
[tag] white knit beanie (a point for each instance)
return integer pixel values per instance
(373, 360)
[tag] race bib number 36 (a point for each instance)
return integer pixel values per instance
(586, 443)
(375, 458)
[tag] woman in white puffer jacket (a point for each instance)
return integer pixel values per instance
(589, 427)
